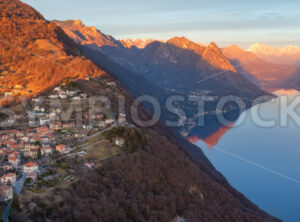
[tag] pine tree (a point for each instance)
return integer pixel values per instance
(39, 153)
(15, 202)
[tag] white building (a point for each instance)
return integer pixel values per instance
(44, 121)
(6, 192)
(30, 167)
(57, 89)
(12, 177)
(53, 96)
(62, 95)
(15, 162)
(119, 142)
(46, 151)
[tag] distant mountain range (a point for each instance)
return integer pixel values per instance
(285, 55)
(139, 43)
(263, 73)
(177, 65)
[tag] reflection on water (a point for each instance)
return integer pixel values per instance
(212, 131)
(262, 163)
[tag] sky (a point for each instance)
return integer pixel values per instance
(226, 22)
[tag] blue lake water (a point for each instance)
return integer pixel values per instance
(262, 163)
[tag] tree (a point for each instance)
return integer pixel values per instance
(28, 180)
(37, 143)
(64, 165)
(143, 139)
(39, 153)
(15, 202)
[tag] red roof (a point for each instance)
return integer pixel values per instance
(60, 147)
(46, 148)
(15, 146)
(43, 129)
(9, 175)
(7, 142)
(30, 164)
(12, 158)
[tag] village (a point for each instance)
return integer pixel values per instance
(27, 151)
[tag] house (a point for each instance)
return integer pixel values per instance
(42, 129)
(69, 125)
(101, 124)
(32, 123)
(6, 193)
(30, 167)
(57, 89)
(15, 146)
(62, 95)
(6, 166)
(14, 154)
(2, 151)
(111, 83)
(12, 177)
(90, 165)
(33, 153)
(32, 176)
(99, 116)
(25, 139)
(57, 110)
(61, 148)
(44, 121)
(36, 100)
(121, 120)
(36, 108)
(87, 126)
(56, 126)
(119, 142)
(76, 98)
(18, 86)
(15, 162)
(53, 96)
(80, 135)
(27, 153)
(8, 93)
(46, 151)
(82, 95)
(2, 157)
(44, 140)
(71, 93)
(52, 115)
(109, 121)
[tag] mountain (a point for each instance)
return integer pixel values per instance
(139, 43)
(259, 71)
(177, 67)
(88, 36)
(164, 179)
(285, 55)
(184, 66)
(36, 54)
(179, 64)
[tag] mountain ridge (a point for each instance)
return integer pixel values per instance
(264, 73)
(177, 54)
(289, 54)
(36, 54)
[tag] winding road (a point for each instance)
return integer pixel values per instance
(17, 187)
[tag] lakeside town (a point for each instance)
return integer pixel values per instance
(33, 152)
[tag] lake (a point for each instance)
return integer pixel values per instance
(261, 162)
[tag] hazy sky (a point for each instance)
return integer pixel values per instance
(243, 22)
